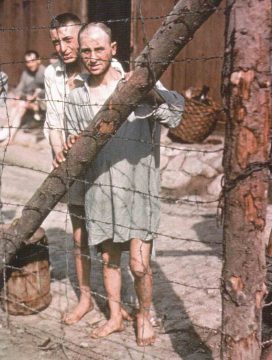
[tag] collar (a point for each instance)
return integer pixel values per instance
(82, 77)
(85, 77)
(59, 66)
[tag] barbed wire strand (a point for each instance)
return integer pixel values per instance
(128, 19)
(63, 341)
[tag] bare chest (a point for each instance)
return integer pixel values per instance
(99, 95)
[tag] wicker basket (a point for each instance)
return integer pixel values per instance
(198, 121)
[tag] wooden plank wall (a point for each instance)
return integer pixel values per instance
(194, 66)
(24, 25)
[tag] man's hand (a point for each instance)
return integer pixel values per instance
(128, 75)
(61, 156)
(30, 97)
(70, 141)
(32, 106)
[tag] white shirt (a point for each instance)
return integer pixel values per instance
(122, 182)
(57, 91)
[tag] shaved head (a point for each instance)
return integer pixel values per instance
(96, 48)
(100, 27)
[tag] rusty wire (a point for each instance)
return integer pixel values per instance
(63, 341)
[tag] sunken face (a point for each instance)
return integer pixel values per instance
(65, 42)
(32, 63)
(96, 50)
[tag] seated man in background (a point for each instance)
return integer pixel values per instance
(28, 95)
(3, 95)
(3, 98)
(3, 88)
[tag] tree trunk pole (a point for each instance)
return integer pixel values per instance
(247, 97)
(175, 32)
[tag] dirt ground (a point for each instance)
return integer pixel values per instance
(187, 270)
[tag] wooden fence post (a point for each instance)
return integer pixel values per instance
(247, 96)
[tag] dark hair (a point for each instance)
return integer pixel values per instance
(99, 25)
(54, 55)
(32, 52)
(64, 19)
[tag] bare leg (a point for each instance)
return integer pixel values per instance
(82, 261)
(140, 268)
(125, 315)
(111, 255)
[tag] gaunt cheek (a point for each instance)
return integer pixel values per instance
(57, 48)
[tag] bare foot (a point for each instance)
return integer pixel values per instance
(83, 307)
(125, 315)
(111, 326)
(145, 331)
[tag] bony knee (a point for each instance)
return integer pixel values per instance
(140, 271)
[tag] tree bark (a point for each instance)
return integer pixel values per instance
(247, 97)
(175, 32)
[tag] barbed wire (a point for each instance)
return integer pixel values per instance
(66, 343)
(62, 341)
(181, 148)
(98, 356)
(191, 286)
(134, 62)
(125, 20)
(155, 233)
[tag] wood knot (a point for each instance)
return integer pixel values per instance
(106, 127)
(243, 81)
(234, 288)
(247, 146)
